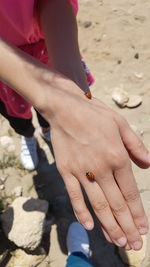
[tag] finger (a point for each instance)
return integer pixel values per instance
(106, 235)
(128, 187)
(78, 203)
(120, 209)
(103, 212)
(134, 145)
(127, 247)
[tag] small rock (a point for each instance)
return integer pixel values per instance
(120, 97)
(87, 24)
(138, 75)
(2, 187)
(134, 258)
(2, 179)
(6, 141)
(17, 191)
(22, 259)
(134, 101)
(136, 56)
(119, 62)
(23, 221)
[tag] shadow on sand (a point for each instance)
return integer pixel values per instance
(50, 186)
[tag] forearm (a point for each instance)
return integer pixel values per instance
(29, 77)
(60, 28)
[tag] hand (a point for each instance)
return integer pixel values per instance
(89, 136)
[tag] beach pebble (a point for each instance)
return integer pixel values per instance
(2, 179)
(87, 24)
(23, 222)
(138, 75)
(134, 258)
(134, 101)
(21, 258)
(120, 97)
(2, 187)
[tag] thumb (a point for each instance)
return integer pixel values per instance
(133, 144)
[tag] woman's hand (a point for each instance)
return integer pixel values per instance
(89, 136)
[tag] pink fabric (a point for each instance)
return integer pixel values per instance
(19, 26)
(16, 105)
(18, 23)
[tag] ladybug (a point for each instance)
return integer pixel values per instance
(88, 95)
(90, 176)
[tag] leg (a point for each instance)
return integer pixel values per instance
(78, 246)
(21, 126)
(78, 259)
(43, 123)
(25, 128)
(45, 127)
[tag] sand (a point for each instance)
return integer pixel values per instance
(114, 40)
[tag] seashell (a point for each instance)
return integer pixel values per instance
(120, 97)
(134, 258)
(139, 75)
(134, 101)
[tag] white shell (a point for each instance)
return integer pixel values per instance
(2, 187)
(132, 257)
(120, 96)
(134, 101)
(139, 75)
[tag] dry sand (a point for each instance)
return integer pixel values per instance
(114, 39)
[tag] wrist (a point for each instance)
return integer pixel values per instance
(56, 92)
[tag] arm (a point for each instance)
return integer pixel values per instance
(117, 182)
(59, 24)
(27, 75)
(87, 145)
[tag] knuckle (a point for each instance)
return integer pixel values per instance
(118, 210)
(120, 158)
(74, 196)
(100, 206)
(132, 196)
(114, 231)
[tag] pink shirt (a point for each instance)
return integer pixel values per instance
(19, 26)
(18, 23)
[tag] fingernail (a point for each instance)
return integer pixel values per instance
(143, 230)
(122, 241)
(88, 225)
(137, 245)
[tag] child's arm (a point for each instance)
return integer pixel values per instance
(86, 136)
(60, 28)
(58, 22)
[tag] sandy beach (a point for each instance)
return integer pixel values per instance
(115, 43)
